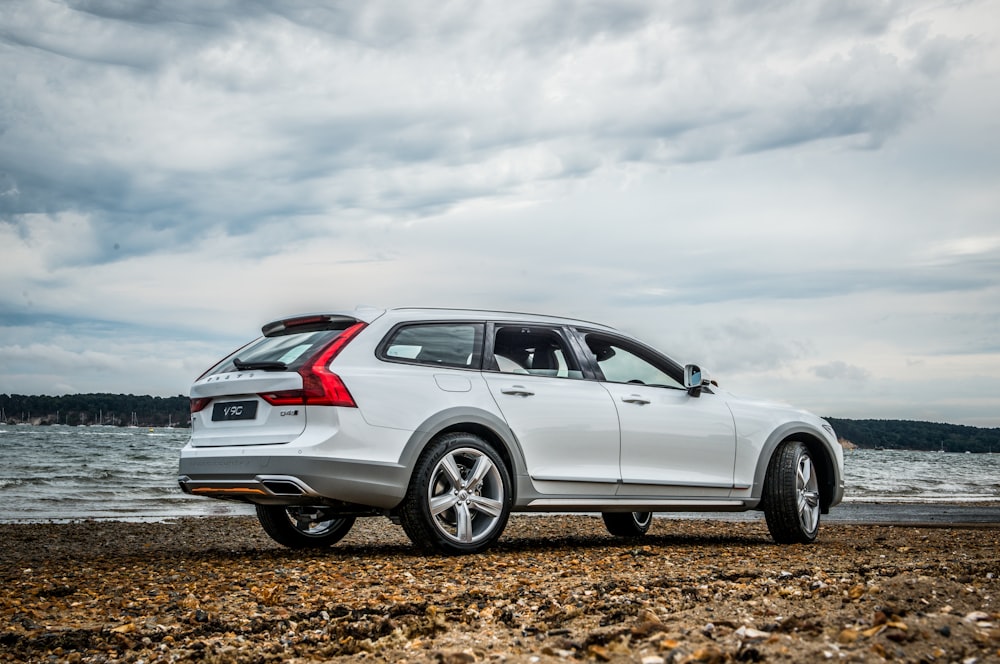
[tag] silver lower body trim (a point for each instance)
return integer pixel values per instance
(283, 480)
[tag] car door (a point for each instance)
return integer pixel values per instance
(567, 426)
(672, 443)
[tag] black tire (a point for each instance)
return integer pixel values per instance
(627, 524)
(303, 526)
(459, 497)
(791, 495)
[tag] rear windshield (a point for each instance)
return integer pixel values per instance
(292, 350)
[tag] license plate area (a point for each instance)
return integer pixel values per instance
(234, 410)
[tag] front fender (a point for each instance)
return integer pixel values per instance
(827, 456)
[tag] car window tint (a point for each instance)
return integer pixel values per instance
(621, 364)
(533, 351)
(439, 344)
(290, 349)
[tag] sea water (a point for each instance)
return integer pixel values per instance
(99, 472)
(896, 476)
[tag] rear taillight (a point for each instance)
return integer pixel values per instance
(198, 405)
(320, 386)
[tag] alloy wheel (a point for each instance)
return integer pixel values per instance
(807, 490)
(466, 496)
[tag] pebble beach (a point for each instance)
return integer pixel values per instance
(555, 589)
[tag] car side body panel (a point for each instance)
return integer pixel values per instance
(673, 442)
(547, 416)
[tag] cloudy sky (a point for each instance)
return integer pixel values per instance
(803, 197)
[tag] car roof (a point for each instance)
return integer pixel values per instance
(442, 313)
(369, 314)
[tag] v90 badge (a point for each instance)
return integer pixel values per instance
(234, 410)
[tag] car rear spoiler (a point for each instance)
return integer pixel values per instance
(308, 323)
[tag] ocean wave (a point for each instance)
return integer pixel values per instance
(7, 482)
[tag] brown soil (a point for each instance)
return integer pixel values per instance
(556, 588)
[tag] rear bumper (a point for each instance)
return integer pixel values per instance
(284, 480)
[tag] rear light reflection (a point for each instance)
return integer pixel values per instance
(198, 404)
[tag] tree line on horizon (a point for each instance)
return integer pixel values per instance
(95, 409)
(148, 411)
(915, 435)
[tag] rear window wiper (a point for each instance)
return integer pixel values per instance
(262, 366)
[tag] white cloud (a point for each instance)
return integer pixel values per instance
(838, 370)
(797, 195)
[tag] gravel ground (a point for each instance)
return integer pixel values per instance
(556, 588)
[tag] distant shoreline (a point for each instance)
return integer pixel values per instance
(984, 514)
(979, 514)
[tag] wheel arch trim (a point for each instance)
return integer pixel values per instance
(824, 458)
(470, 420)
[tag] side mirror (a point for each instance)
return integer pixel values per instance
(694, 378)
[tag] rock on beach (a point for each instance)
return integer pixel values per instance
(555, 589)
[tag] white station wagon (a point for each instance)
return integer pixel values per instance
(446, 421)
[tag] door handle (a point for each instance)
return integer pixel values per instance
(636, 399)
(517, 391)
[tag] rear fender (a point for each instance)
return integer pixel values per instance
(471, 420)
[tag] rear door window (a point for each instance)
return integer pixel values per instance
(456, 345)
(533, 350)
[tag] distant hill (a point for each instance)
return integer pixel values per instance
(84, 409)
(911, 435)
